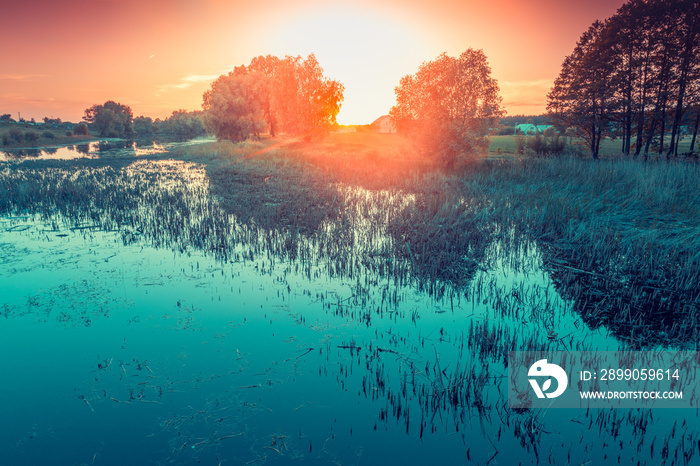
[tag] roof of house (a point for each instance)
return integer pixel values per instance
(381, 119)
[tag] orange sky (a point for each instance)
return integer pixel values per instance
(59, 57)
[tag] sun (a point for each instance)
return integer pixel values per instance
(365, 50)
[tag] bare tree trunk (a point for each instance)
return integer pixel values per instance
(642, 108)
(695, 131)
(687, 54)
(662, 133)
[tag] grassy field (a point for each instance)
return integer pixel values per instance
(507, 145)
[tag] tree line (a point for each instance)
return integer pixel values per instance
(636, 77)
(116, 120)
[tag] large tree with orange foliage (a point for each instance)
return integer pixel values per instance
(289, 95)
(449, 105)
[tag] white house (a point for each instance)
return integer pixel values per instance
(383, 124)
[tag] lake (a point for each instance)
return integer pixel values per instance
(143, 323)
(105, 148)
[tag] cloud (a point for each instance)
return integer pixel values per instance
(187, 81)
(22, 77)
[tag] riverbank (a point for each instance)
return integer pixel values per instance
(618, 235)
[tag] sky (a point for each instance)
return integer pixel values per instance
(58, 58)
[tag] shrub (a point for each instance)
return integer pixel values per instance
(506, 130)
(80, 129)
(48, 135)
(16, 134)
(31, 136)
(69, 134)
(541, 145)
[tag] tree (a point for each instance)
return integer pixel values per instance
(305, 102)
(183, 124)
(636, 73)
(290, 95)
(143, 126)
(80, 129)
(111, 119)
(52, 121)
(582, 97)
(231, 109)
(449, 105)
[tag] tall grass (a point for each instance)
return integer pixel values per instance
(620, 235)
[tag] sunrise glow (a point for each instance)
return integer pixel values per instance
(158, 56)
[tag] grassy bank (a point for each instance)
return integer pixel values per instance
(17, 136)
(619, 236)
(608, 148)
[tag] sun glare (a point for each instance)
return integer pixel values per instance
(366, 51)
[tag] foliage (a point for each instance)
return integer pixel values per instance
(31, 136)
(634, 76)
(183, 124)
(506, 130)
(143, 126)
(16, 134)
(449, 105)
(52, 121)
(512, 120)
(80, 129)
(231, 108)
(288, 95)
(111, 119)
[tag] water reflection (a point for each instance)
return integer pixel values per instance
(275, 323)
(105, 148)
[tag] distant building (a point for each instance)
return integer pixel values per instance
(383, 124)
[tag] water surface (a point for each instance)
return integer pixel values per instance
(153, 327)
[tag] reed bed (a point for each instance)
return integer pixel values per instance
(619, 236)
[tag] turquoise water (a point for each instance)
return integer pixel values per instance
(94, 149)
(128, 337)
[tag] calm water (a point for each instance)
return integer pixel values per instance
(106, 148)
(164, 332)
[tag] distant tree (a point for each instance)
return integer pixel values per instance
(31, 136)
(111, 119)
(506, 130)
(290, 95)
(449, 105)
(52, 121)
(143, 126)
(80, 129)
(6, 117)
(184, 125)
